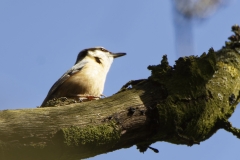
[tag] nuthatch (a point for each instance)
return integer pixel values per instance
(85, 80)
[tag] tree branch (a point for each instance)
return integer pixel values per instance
(181, 104)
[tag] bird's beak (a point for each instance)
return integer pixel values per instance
(116, 55)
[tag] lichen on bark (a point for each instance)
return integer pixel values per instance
(97, 135)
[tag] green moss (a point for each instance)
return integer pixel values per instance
(188, 77)
(62, 101)
(102, 134)
(234, 42)
(197, 98)
(198, 93)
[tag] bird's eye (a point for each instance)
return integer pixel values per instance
(97, 59)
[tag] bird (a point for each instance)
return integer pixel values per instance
(86, 79)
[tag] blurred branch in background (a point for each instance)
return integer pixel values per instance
(185, 13)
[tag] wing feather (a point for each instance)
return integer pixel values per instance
(76, 68)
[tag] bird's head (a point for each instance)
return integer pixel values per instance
(98, 55)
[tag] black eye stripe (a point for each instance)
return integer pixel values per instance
(97, 59)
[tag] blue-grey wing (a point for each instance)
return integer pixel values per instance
(76, 68)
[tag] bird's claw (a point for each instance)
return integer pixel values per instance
(84, 98)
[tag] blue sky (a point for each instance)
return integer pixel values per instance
(40, 40)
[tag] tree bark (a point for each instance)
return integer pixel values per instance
(182, 104)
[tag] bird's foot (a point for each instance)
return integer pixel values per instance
(84, 98)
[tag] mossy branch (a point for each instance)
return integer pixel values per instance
(226, 125)
(182, 104)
